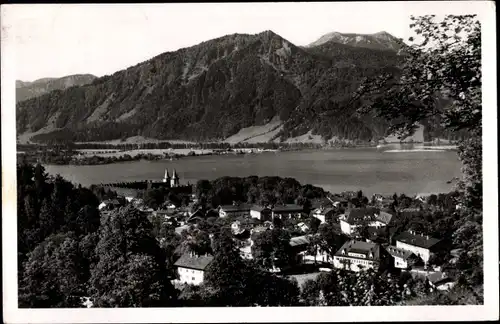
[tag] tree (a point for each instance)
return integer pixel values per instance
(226, 274)
(439, 83)
(331, 238)
(54, 275)
(272, 249)
(130, 271)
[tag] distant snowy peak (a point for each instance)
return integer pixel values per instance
(381, 40)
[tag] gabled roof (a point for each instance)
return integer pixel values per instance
(398, 252)
(324, 211)
(259, 208)
(190, 261)
(235, 208)
(355, 215)
(299, 240)
(384, 217)
(419, 240)
(360, 247)
(287, 208)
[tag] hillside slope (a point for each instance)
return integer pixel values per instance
(26, 90)
(212, 90)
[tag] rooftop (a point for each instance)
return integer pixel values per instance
(287, 208)
(360, 247)
(299, 240)
(384, 217)
(324, 211)
(235, 208)
(258, 208)
(397, 252)
(354, 215)
(188, 260)
(420, 240)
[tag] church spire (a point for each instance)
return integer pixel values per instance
(174, 175)
(166, 178)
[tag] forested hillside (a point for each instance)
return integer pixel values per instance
(212, 90)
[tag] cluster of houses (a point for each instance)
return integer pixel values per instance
(410, 250)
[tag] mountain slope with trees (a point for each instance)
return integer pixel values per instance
(211, 90)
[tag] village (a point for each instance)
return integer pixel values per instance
(368, 233)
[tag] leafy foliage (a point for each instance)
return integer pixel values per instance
(131, 268)
(440, 81)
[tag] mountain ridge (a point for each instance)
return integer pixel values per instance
(381, 40)
(29, 89)
(212, 90)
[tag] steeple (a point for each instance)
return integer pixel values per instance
(166, 178)
(174, 181)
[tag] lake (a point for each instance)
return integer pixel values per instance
(371, 170)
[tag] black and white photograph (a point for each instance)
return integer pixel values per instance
(243, 162)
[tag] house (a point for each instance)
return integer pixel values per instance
(322, 213)
(440, 281)
(403, 259)
(355, 217)
(357, 255)
(166, 214)
(421, 245)
(260, 212)
(290, 210)
(235, 210)
(300, 245)
(191, 268)
(109, 204)
(246, 250)
(303, 227)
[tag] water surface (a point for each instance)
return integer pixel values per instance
(370, 170)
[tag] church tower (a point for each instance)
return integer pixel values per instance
(166, 178)
(174, 182)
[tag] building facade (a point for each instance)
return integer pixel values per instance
(357, 256)
(235, 210)
(322, 213)
(191, 268)
(418, 243)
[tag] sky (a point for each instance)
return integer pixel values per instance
(57, 40)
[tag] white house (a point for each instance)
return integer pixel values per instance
(191, 268)
(402, 258)
(260, 212)
(355, 217)
(357, 256)
(290, 210)
(300, 244)
(234, 210)
(421, 245)
(322, 213)
(109, 204)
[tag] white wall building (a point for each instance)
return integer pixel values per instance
(357, 256)
(191, 268)
(402, 258)
(261, 213)
(322, 213)
(353, 218)
(421, 245)
(234, 210)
